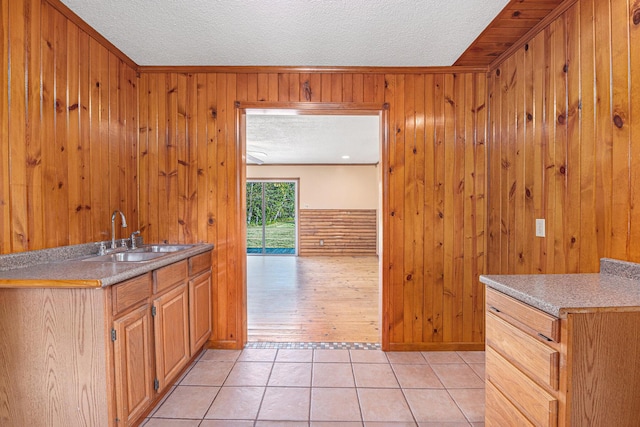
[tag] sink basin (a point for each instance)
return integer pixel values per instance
(127, 257)
(162, 248)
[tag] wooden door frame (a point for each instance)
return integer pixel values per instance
(311, 108)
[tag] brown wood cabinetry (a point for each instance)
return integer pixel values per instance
(99, 356)
(200, 310)
(168, 308)
(577, 370)
(133, 364)
(171, 333)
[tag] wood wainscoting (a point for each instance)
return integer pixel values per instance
(337, 232)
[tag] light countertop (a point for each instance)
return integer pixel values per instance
(65, 268)
(615, 288)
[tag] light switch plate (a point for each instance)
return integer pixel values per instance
(540, 227)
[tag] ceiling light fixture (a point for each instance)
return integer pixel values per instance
(346, 157)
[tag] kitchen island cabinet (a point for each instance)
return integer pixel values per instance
(563, 350)
(97, 356)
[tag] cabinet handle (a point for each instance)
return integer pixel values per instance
(494, 309)
(544, 337)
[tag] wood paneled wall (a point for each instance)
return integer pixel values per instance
(189, 191)
(565, 144)
(342, 232)
(68, 131)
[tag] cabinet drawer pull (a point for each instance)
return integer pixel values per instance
(544, 337)
(494, 309)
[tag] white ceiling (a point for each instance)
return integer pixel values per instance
(374, 33)
(312, 139)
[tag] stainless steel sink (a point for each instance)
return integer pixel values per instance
(127, 257)
(162, 248)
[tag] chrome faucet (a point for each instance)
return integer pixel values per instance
(113, 226)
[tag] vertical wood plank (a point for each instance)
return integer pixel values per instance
(325, 87)
(540, 137)
(458, 144)
(336, 87)
(5, 189)
(409, 273)
(202, 141)
(182, 161)
(549, 150)
(469, 271)
(252, 87)
(17, 108)
(263, 86)
(48, 125)
(33, 144)
(283, 87)
(222, 207)
(358, 87)
(417, 210)
(429, 208)
(439, 212)
(529, 188)
(480, 201)
(145, 136)
(572, 240)
(621, 143)
(74, 144)
(634, 133)
(559, 81)
(494, 201)
(589, 259)
(519, 167)
(604, 173)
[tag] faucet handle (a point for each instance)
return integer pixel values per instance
(133, 238)
(102, 249)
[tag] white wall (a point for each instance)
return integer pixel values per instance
(328, 186)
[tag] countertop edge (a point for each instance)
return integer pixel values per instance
(521, 296)
(43, 283)
(130, 270)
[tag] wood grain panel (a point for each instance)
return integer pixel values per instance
(582, 174)
(68, 325)
(513, 23)
(433, 117)
(85, 135)
(69, 130)
(342, 232)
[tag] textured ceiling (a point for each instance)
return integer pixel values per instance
(312, 139)
(394, 33)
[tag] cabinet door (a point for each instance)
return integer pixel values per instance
(199, 310)
(133, 364)
(171, 332)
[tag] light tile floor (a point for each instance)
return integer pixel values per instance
(324, 388)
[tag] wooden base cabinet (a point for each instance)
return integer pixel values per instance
(578, 370)
(100, 356)
(132, 355)
(171, 332)
(200, 313)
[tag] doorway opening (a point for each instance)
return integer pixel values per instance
(351, 283)
(272, 209)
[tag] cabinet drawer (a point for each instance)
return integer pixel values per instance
(516, 312)
(199, 263)
(540, 407)
(538, 360)
(500, 412)
(169, 276)
(131, 292)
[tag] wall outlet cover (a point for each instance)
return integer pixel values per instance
(540, 227)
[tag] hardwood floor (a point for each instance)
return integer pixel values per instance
(313, 299)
